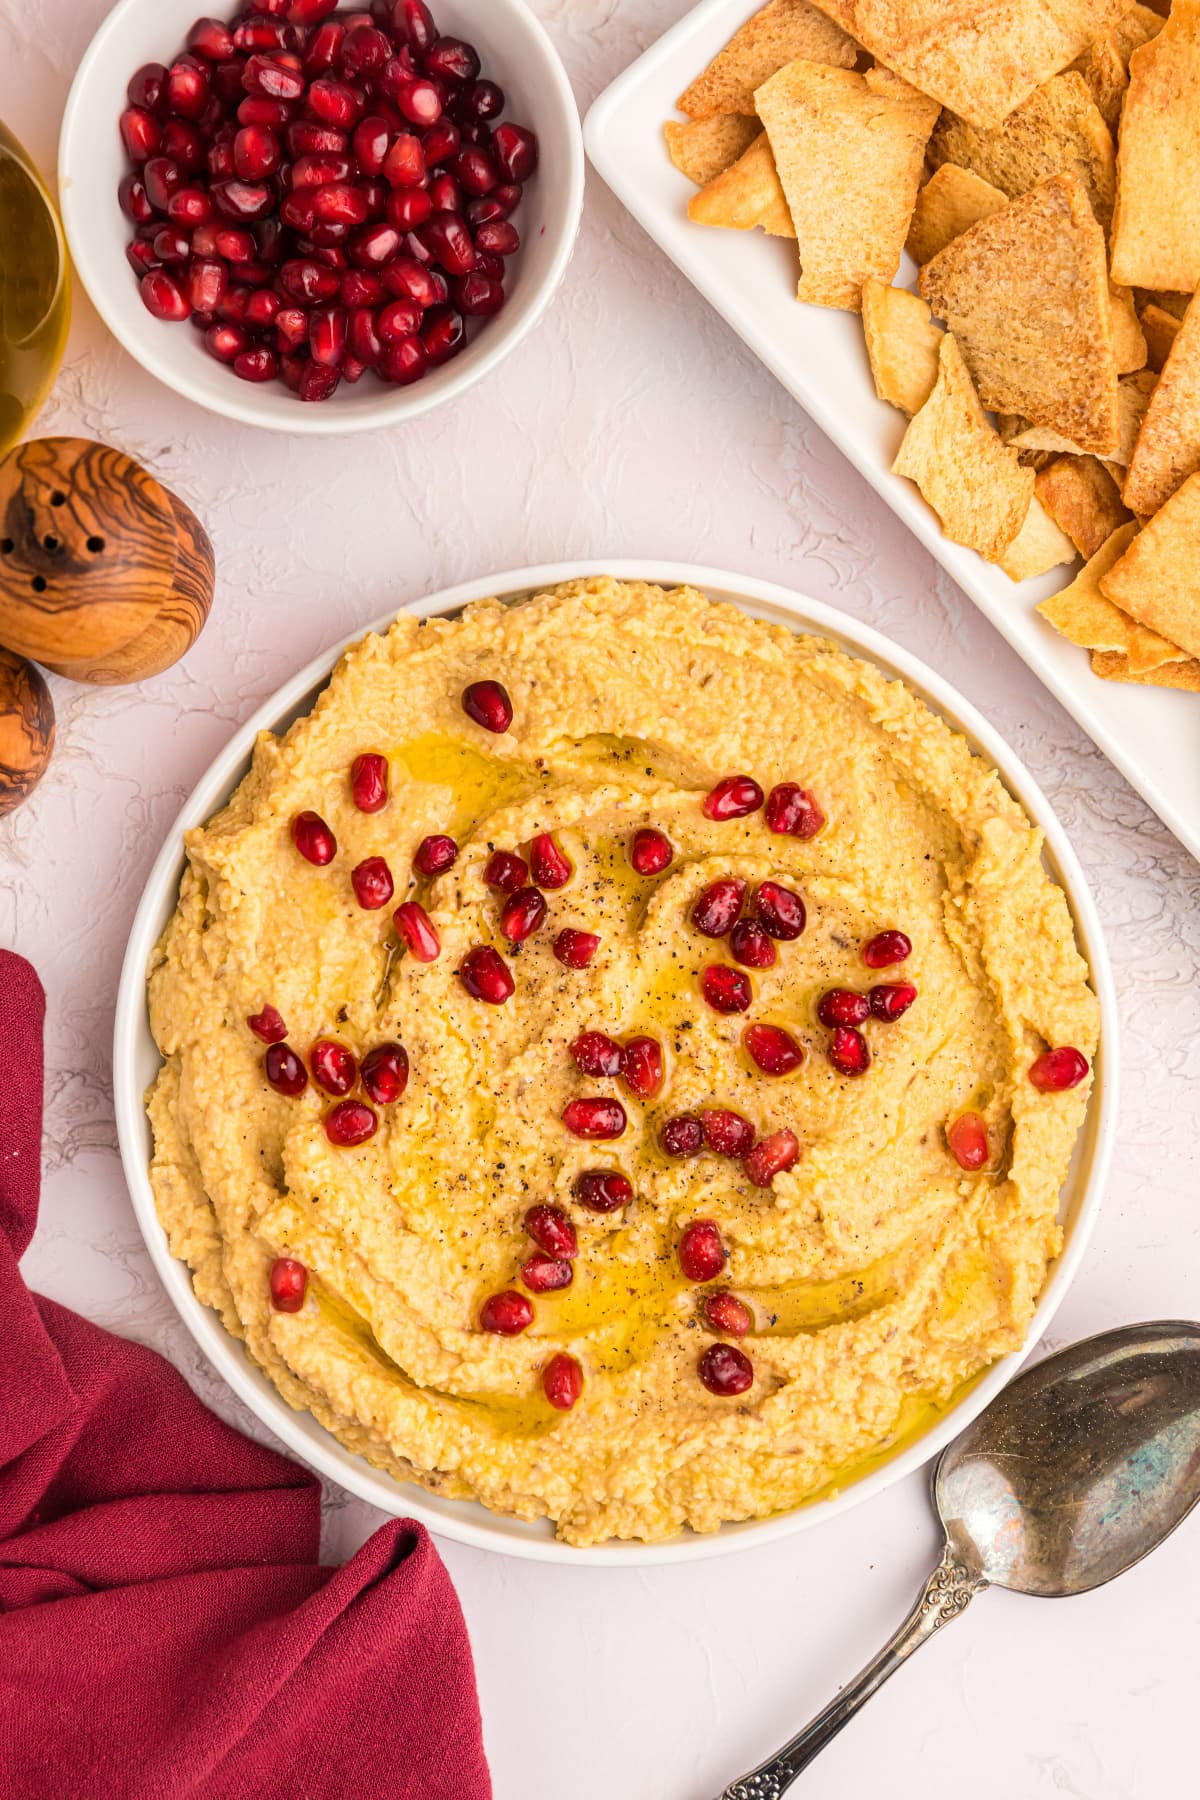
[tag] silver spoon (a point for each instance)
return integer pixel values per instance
(1078, 1469)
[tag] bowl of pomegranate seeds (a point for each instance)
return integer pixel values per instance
(318, 219)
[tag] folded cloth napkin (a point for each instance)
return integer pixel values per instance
(165, 1629)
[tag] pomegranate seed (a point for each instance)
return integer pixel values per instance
(562, 1381)
(310, 12)
(263, 308)
(890, 1000)
(162, 178)
(273, 114)
(408, 207)
(289, 1282)
(397, 320)
(507, 196)
(717, 906)
(506, 871)
(750, 943)
(232, 305)
(284, 1070)
(291, 369)
(507, 1314)
(372, 883)
(516, 151)
(407, 280)
(545, 1274)
(596, 1054)
(780, 911)
(255, 152)
(724, 1312)
(445, 193)
(595, 1118)
(210, 39)
(682, 1136)
(140, 257)
(220, 162)
(404, 362)
(550, 867)
(321, 52)
(444, 335)
(375, 246)
(967, 1137)
(350, 1122)
(234, 244)
(268, 1025)
(498, 237)
(271, 77)
(412, 23)
(162, 297)
(725, 1370)
(602, 1190)
(726, 1133)
(243, 199)
(306, 138)
(385, 1073)
(1058, 1069)
(448, 239)
(188, 206)
(847, 1051)
(478, 295)
(840, 1006)
(476, 172)
(404, 165)
(488, 704)
(726, 990)
(188, 88)
(334, 1067)
(135, 202)
(171, 246)
(451, 59)
(793, 811)
(360, 289)
(183, 145)
(364, 52)
(420, 102)
(701, 1251)
(552, 1231)
(575, 949)
(352, 369)
(886, 948)
(256, 364)
(642, 1067)
(522, 915)
(415, 926)
(313, 838)
(441, 141)
(333, 103)
(369, 782)
(317, 381)
(225, 342)
(370, 144)
(732, 798)
(148, 87)
(327, 335)
(773, 1050)
(773, 1156)
(362, 335)
(486, 976)
(483, 100)
(434, 855)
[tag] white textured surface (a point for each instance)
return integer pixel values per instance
(632, 423)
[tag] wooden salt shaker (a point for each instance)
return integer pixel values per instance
(105, 576)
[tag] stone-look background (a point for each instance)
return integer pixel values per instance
(631, 423)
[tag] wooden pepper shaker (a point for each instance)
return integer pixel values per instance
(105, 576)
(26, 730)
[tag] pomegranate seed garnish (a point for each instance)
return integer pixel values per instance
(726, 990)
(725, 1370)
(967, 1137)
(268, 1025)
(451, 59)
(188, 206)
(772, 1156)
(255, 152)
(602, 1190)
(334, 1066)
(546, 1274)
(188, 88)
(256, 364)
(384, 1073)
(483, 100)
(364, 52)
(507, 1314)
(724, 1312)
(847, 1051)
(370, 144)
(781, 912)
(162, 297)
(488, 704)
(1058, 1069)
(562, 1381)
(415, 926)
(840, 1006)
(478, 295)
(310, 12)
(372, 883)
(476, 172)
(434, 855)
(793, 811)
(289, 1283)
(284, 1070)
(506, 871)
(313, 838)
(407, 208)
(486, 976)
(552, 1231)
(135, 202)
(750, 943)
(447, 237)
(412, 23)
(522, 914)
(682, 1136)
(445, 333)
(701, 1251)
(369, 782)
(594, 1118)
(575, 949)
(350, 1122)
(516, 151)
(548, 865)
(420, 102)
(717, 906)
(263, 307)
(891, 999)
(650, 852)
(148, 87)
(886, 948)
(774, 1050)
(726, 1133)
(441, 141)
(596, 1054)
(732, 798)
(642, 1066)
(497, 237)
(162, 178)
(397, 320)
(317, 382)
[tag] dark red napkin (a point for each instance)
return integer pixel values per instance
(165, 1628)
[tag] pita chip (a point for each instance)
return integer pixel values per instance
(902, 343)
(1135, 28)
(974, 484)
(951, 201)
(1081, 613)
(849, 149)
(1167, 450)
(702, 148)
(1026, 294)
(1156, 224)
(1133, 397)
(1157, 581)
(778, 34)
(1081, 496)
(1160, 329)
(1129, 342)
(1105, 66)
(1039, 546)
(745, 195)
(1111, 666)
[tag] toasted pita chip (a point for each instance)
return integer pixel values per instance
(1129, 343)
(1165, 298)
(849, 150)
(1038, 547)
(1058, 129)
(951, 201)
(1026, 294)
(1107, 77)
(1167, 450)
(1156, 225)
(702, 148)
(1082, 614)
(980, 60)
(975, 485)
(782, 31)
(745, 194)
(1157, 581)
(902, 343)
(1160, 331)
(1081, 496)
(1110, 666)
(1137, 27)
(1133, 397)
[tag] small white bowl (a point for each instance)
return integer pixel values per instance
(136, 1061)
(515, 51)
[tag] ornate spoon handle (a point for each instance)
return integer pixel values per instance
(946, 1594)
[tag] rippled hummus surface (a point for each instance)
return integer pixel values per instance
(879, 1274)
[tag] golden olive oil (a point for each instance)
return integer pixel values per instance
(35, 293)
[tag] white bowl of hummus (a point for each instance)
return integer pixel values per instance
(631, 1063)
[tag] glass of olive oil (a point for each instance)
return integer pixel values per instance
(35, 291)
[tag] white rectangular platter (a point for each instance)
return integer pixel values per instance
(1151, 734)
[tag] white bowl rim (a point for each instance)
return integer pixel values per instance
(386, 412)
(468, 1522)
